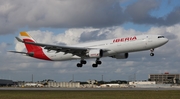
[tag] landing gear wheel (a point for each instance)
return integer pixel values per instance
(83, 62)
(98, 62)
(151, 54)
(94, 65)
(79, 65)
(152, 50)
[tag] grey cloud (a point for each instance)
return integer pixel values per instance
(139, 13)
(59, 14)
(173, 17)
(95, 35)
(34, 14)
(170, 36)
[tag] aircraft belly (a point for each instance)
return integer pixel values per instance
(108, 53)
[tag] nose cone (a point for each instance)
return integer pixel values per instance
(162, 41)
(165, 40)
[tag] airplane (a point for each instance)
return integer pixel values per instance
(33, 85)
(118, 48)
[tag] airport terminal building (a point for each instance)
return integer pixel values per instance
(5, 82)
(165, 78)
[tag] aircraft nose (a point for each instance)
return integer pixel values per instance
(166, 40)
(163, 41)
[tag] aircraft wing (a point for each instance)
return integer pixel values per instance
(79, 51)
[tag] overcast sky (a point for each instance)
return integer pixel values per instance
(76, 21)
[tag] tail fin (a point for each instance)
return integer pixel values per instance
(27, 38)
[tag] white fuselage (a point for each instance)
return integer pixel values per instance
(114, 46)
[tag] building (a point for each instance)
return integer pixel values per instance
(4, 82)
(148, 84)
(142, 82)
(64, 84)
(165, 78)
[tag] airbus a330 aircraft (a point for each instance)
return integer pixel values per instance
(118, 48)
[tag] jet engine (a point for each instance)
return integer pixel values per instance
(121, 56)
(95, 53)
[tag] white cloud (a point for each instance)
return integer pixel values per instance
(118, 70)
(166, 57)
(129, 63)
(34, 14)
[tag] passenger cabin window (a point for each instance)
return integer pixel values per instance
(160, 36)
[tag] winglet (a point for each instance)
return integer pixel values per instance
(19, 39)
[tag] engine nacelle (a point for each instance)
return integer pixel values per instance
(121, 56)
(96, 53)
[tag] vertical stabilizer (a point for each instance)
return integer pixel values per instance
(27, 38)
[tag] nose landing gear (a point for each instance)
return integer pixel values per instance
(151, 54)
(152, 50)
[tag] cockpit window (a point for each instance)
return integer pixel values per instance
(160, 36)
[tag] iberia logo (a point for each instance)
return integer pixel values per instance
(125, 39)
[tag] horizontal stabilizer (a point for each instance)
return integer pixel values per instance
(19, 39)
(18, 52)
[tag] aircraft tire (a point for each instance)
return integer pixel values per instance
(98, 62)
(83, 62)
(151, 54)
(79, 65)
(94, 65)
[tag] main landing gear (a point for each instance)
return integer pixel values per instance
(152, 50)
(98, 62)
(81, 63)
